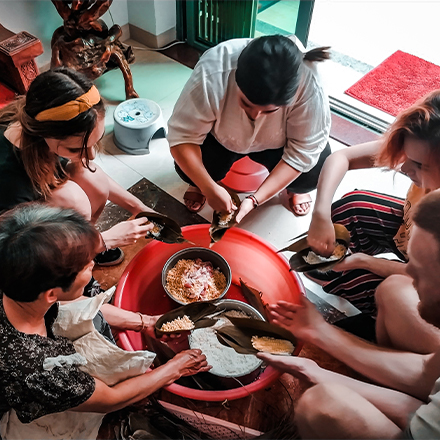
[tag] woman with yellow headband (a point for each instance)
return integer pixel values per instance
(48, 139)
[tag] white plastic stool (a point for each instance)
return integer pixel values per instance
(136, 122)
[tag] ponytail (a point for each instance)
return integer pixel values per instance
(318, 54)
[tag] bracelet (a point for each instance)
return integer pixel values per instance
(254, 200)
(143, 325)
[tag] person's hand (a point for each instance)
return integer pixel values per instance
(247, 205)
(321, 236)
(303, 320)
(219, 199)
(354, 261)
(302, 368)
(150, 330)
(189, 362)
(127, 232)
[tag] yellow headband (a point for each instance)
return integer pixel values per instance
(71, 109)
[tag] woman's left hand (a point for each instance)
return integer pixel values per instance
(247, 205)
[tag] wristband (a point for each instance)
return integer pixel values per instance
(254, 200)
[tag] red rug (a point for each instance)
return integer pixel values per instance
(396, 83)
(6, 95)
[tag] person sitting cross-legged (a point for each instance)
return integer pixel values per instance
(406, 400)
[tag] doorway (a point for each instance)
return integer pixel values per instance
(362, 34)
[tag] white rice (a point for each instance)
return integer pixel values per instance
(225, 361)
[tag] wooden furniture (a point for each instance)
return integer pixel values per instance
(17, 59)
(84, 42)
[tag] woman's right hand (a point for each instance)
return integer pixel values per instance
(321, 236)
(219, 199)
(189, 362)
(127, 232)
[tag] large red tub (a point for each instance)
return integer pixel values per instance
(252, 259)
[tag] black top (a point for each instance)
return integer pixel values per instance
(25, 385)
(16, 187)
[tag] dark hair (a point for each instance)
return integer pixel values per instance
(41, 248)
(48, 90)
(427, 214)
(268, 69)
(421, 120)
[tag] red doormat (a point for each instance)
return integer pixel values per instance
(396, 83)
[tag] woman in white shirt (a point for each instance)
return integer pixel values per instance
(260, 98)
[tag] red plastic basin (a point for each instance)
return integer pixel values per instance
(252, 259)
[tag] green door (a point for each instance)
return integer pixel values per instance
(205, 23)
(210, 22)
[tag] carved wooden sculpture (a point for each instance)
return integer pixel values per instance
(85, 43)
(17, 64)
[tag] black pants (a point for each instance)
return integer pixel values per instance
(218, 160)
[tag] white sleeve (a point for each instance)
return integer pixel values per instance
(308, 126)
(195, 111)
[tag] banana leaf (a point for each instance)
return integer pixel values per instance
(228, 342)
(163, 352)
(217, 229)
(196, 311)
(242, 330)
(170, 233)
(302, 248)
(254, 297)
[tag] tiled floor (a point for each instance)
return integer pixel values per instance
(161, 79)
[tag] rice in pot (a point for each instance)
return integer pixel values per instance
(195, 280)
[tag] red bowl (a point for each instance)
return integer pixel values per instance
(252, 259)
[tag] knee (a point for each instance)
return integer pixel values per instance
(72, 196)
(389, 291)
(318, 409)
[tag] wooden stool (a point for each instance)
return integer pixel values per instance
(17, 64)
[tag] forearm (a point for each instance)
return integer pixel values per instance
(280, 177)
(402, 371)
(121, 197)
(385, 268)
(189, 159)
(108, 399)
(124, 319)
(334, 170)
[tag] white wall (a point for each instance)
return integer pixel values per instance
(153, 16)
(40, 18)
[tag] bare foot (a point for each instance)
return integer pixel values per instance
(194, 199)
(300, 204)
